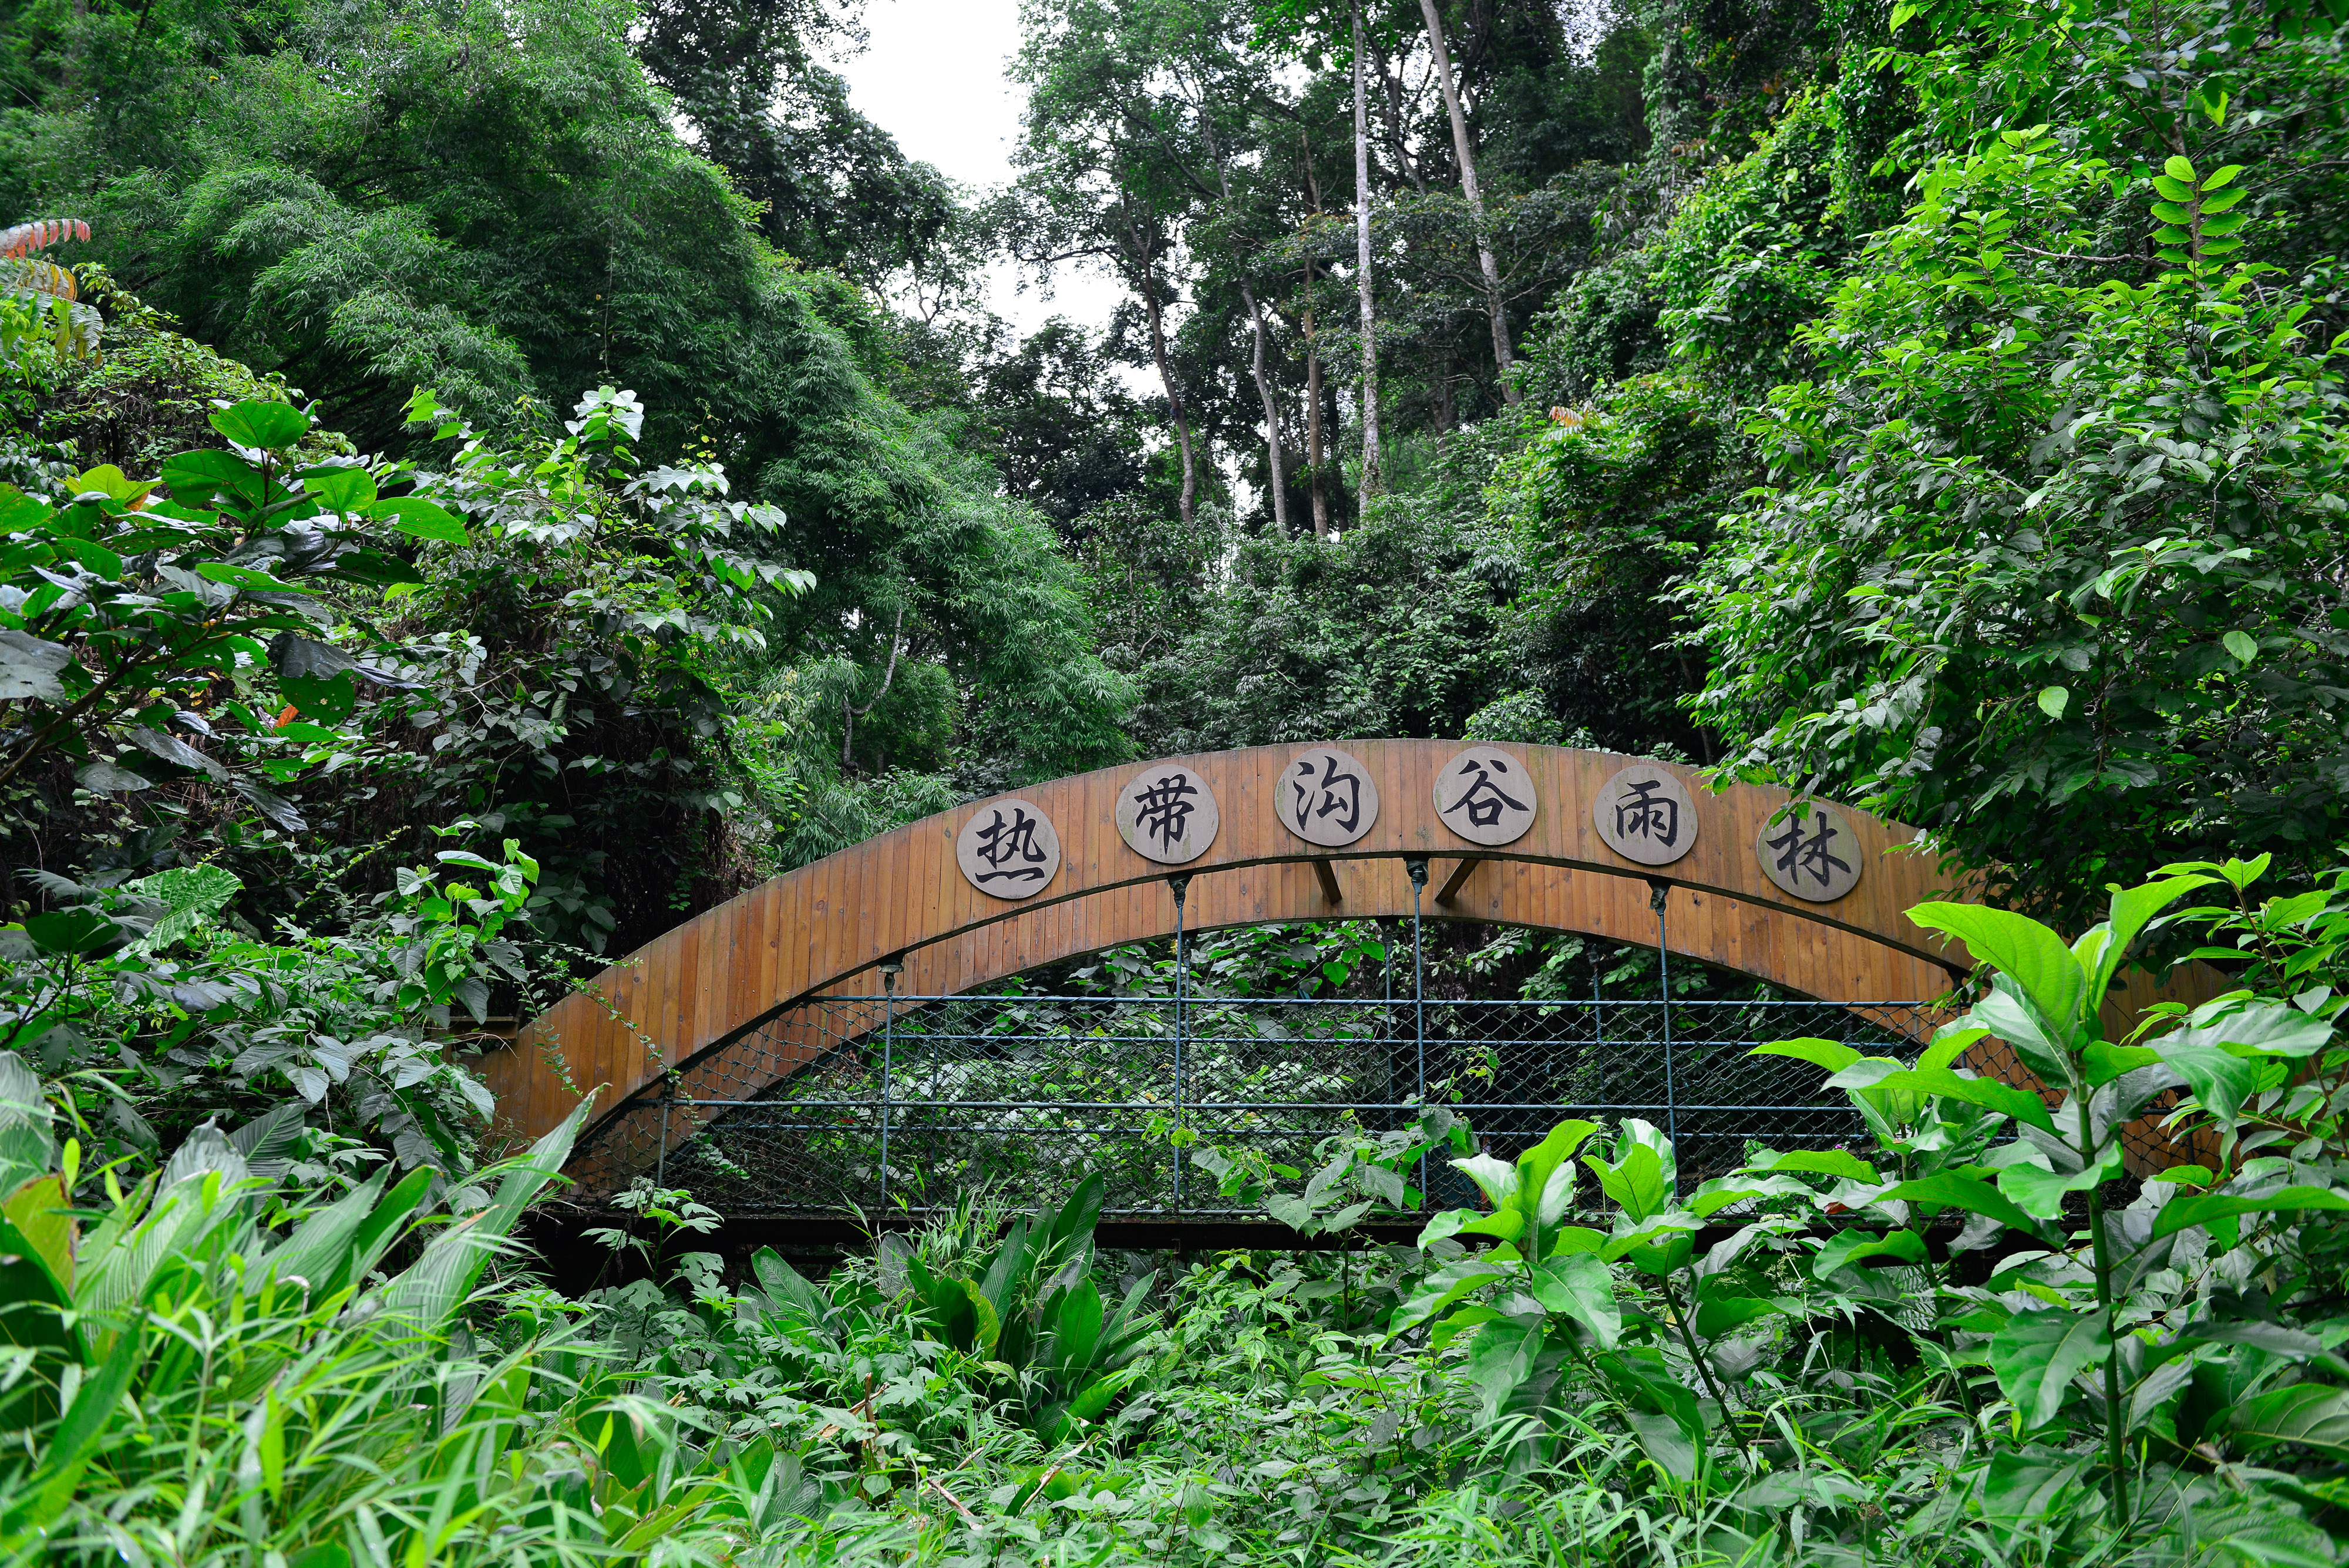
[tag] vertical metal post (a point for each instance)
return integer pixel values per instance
(1182, 886)
(1386, 1017)
(889, 972)
(1416, 869)
(1599, 1027)
(668, 1097)
(1657, 892)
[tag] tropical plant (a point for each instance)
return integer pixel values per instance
(136, 608)
(1029, 1307)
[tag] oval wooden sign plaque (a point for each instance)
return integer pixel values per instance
(1008, 849)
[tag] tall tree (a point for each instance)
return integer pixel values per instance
(1313, 453)
(1093, 179)
(1469, 187)
(1374, 477)
(1278, 468)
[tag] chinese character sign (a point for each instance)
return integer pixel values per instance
(1166, 813)
(1485, 796)
(1008, 849)
(1810, 850)
(1645, 814)
(1325, 797)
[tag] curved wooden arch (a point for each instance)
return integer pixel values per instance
(716, 997)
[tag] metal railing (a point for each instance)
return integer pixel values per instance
(899, 1101)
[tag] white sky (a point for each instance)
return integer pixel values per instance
(935, 79)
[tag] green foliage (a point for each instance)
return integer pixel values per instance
(1398, 628)
(2123, 493)
(129, 613)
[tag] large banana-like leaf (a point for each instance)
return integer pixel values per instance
(318, 1251)
(433, 1287)
(70, 1447)
(199, 1197)
(1076, 1329)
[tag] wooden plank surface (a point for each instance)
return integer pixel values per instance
(823, 928)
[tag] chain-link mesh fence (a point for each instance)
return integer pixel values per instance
(873, 1102)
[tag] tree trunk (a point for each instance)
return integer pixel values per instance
(1314, 456)
(1256, 322)
(1390, 87)
(1373, 468)
(1271, 417)
(1468, 186)
(1138, 246)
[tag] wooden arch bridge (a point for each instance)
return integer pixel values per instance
(788, 1001)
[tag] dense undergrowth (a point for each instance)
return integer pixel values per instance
(1959, 1345)
(478, 485)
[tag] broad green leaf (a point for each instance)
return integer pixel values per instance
(2054, 700)
(1661, 1411)
(195, 478)
(1657, 1245)
(1722, 1191)
(2106, 947)
(30, 667)
(1967, 1193)
(377, 1234)
(1636, 1184)
(1076, 1325)
(317, 1253)
(40, 1213)
(267, 426)
(1717, 1315)
(1439, 1290)
(1546, 1176)
(2019, 947)
(346, 489)
(2037, 1355)
(1496, 1178)
(2270, 1028)
(420, 519)
(2312, 1414)
(2006, 1015)
(2040, 1192)
(110, 481)
(1666, 1441)
(1831, 1055)
(2101, 1063)
(78, 928)
(77, 1437)
(192, 894)
(2220, 1080)
(2190, 1208)
(1579, 1287)
(2023, 1487)
(1095, 1397)
(436, 1283)
(1988, 1092)
(34, 1288)
(1823, 1162)
(2241, 646)
(243, 578)
(328, 699)
(1951, 1042)
(1850, 1249)
(1501, 1357)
